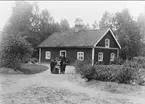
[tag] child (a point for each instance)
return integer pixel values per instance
(58, 64)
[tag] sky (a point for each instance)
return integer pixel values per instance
(89, 11)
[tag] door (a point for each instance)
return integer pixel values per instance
(63, 52)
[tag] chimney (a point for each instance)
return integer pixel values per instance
(77, 28)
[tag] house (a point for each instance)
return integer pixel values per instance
(93, 45)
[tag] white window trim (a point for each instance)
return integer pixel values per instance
(108, 43)
(61, 52)
(102, 56)
(78, 53)
(46, 57)
(112, 59)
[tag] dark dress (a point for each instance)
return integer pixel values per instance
(52, 66)
(63, 64)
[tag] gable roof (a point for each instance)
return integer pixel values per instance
(83, 38)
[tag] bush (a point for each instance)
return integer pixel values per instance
(129, 72)
(140, 60)
(115, 73)
(84, 68)
(13, 51)
(117, 61)
(106, 72)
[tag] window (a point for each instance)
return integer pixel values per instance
(100, 56)
(107, 43)
(80, 56)
(47, 55)
(63, 52)
(112, 56)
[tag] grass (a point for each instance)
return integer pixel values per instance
(32, 68)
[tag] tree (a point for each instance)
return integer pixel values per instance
(95, 25)
(80, 24)
(28, 21)
(64, 25)
(20, 18)
(141, 24)
(127, 32)
(14, 51)
(106, 21)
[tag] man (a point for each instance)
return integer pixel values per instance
(63, 64)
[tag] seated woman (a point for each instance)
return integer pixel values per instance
(57, 66)
(52, 65)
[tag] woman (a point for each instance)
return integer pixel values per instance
(63, 64)
(57, 66)
(52, 65)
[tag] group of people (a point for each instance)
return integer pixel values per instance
(58, 65)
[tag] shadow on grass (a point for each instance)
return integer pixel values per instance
(32, 68)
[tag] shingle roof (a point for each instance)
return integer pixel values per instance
(73, 39)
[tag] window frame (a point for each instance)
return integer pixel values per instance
(101, 56)
(112, 59)
(61, 52)
(46, 55)
(108, 43)
(80, 54)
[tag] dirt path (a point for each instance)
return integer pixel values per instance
(12, 84)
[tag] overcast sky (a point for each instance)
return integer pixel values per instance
(89, 11)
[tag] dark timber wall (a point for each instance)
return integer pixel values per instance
(113, 43)
(71, 53)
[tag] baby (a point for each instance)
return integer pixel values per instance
(58, 64)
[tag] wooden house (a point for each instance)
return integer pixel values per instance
(93, 45)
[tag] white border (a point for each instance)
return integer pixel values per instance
(46, 52)
(105, 47)
(108, 43)
(93, 55)
(102, 56)
(105, 34)
(62, 51)
(112, 59)
(78, 56)
(39, 55)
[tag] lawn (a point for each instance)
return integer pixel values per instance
(32, 68)
(68, 88)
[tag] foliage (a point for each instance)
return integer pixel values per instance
(117, 61)
(95, 25)
(14, 50)
(34, 24)
(129, 72)
(128, 33)
(64, 25)
(84, 69)
(140, 60)
(124, 73)
(106, 21)
(106, 72)
(127, 30)
(141, 24)
(79, 23)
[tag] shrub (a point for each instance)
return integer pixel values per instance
(84, 68)
(140, 60)
(117, 61)
(115, 73)
(106, 72)
(13, 51)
